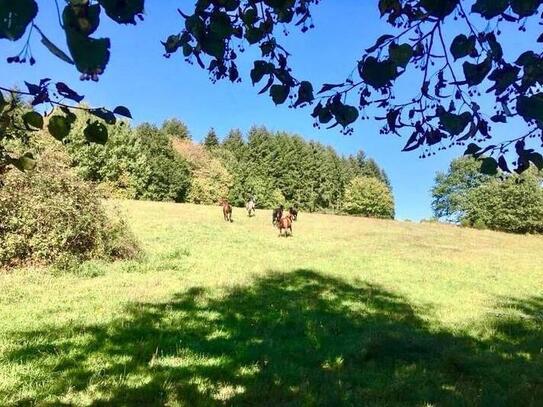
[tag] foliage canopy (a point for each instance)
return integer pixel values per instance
(455, 66)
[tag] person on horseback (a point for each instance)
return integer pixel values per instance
(251, 206)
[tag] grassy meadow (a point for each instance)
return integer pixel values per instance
(348, 311)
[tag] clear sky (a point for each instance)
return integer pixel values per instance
(155, 88)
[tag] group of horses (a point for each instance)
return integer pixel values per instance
(281, 219)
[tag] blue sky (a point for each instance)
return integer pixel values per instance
(155, 88)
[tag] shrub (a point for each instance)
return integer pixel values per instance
(369, 197)
(50, 216)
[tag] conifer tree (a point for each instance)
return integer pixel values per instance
(211, 140)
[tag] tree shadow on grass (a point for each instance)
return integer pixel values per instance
(289, 339)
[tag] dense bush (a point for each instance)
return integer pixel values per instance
(514, 204)
(135, 163)
(370, 197)
(49, 215)
(504, 202)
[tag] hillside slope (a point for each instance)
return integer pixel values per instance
(347, 311)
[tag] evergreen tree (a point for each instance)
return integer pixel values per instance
(234, 142)
(211, 140)
(175, 128)
(306, 174)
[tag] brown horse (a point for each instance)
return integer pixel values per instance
(294, 212)
(277, 215)
(226, 210)
(285, 225)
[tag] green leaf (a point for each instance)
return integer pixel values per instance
(495, 47)
(377, 74)
(96, 132)
(59, 127)
(462, 46)
(531, 107)
(220, 25)
(345, 114)
(195, 26)
(254, 35)
(527, 58)
(380, 41)
(325, 116)
(476, 73)
(213, 45)
(122, 111)
(525, 8)
(65, 91)
(503, 78)
(489, 166)
(472, 149)
(279, 93)
(15, 16)
(123, 11)
(33, 120)
(400, 54)
(172, 43)
(250, 16)
(537, 160)
(104, 114)
(389, 6)
(90, 55)
(305, 93)
(260, 69)
(56, 51)
(439, 8)
(454, 124)
(490, 8)
(82, 19)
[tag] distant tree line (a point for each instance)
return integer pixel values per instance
(163, 163)
(282, 168)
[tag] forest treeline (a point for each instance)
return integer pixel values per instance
(164, 163)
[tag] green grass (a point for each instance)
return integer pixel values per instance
(347, 312)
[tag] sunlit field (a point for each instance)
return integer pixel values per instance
(348, 311)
